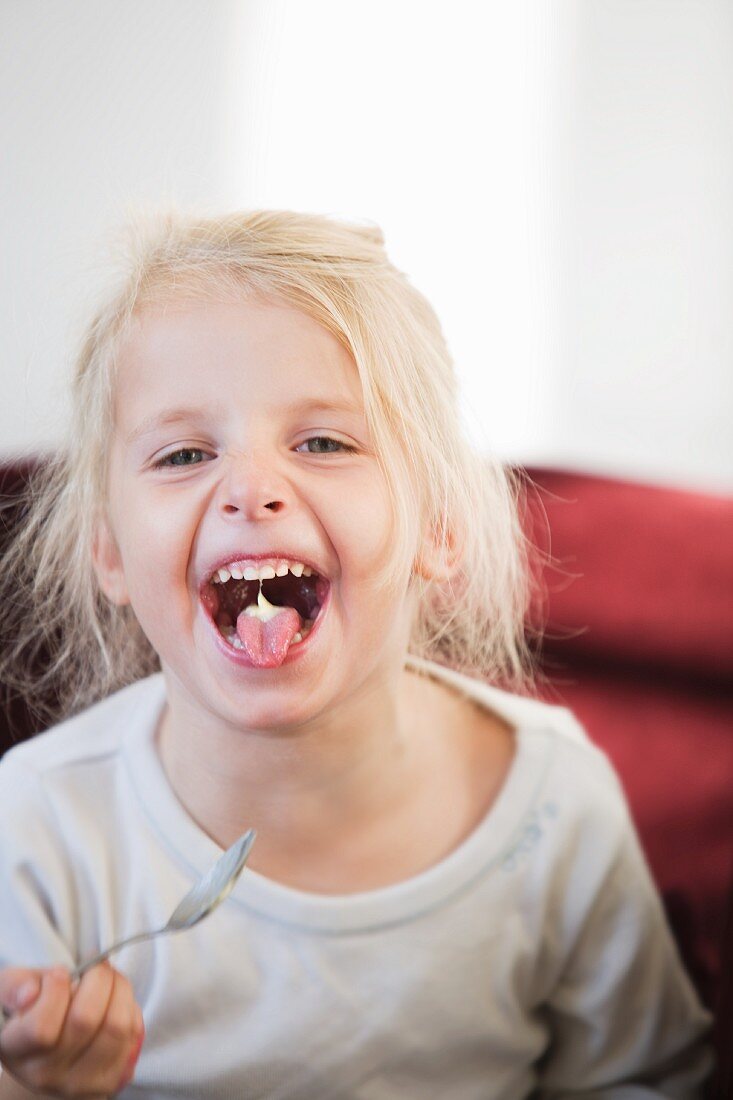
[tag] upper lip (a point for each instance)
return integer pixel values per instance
(224, 559)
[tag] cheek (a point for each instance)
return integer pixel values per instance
(155, 544)
(361, 529)
(363, 535)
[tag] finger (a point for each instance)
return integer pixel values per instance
(128, 1072)
(113, 1051)
(37, 1029)
(19, 987)
(87, 1011)
(48, 1067)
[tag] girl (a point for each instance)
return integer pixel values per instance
(280, 591)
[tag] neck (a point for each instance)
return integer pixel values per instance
(296, 787)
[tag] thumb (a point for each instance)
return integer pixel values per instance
(19, 988)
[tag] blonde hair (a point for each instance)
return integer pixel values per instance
(472, 619)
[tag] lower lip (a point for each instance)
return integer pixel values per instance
(295, 652)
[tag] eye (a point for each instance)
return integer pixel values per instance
(186, 456)
(325, 445)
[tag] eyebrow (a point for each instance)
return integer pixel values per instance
(178, 415)
(316, 404)
(160, 420)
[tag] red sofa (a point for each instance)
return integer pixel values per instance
(639, 642)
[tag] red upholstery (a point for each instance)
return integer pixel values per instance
(654, 566)
(639, 642)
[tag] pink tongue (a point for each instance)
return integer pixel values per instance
(266, 644)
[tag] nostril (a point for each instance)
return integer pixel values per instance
(274, 506)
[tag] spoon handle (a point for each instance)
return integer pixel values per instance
(6, 1014)
(83, 967)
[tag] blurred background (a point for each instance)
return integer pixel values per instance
(555, 176)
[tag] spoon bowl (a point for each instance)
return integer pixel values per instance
(200, 900)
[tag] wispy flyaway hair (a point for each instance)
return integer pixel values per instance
(470, 616)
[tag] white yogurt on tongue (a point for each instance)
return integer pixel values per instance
(267, 645)
(263, 609)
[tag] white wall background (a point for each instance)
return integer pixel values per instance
(643, 170)
(101, 105)
(554, 174)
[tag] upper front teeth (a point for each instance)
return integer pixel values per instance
(263, 572)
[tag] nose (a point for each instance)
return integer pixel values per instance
(252, 489)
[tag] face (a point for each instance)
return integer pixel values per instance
(240, 440)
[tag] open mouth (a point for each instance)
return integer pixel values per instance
(231, 599)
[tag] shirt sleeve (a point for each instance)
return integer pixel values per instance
(625, 1020)
(37, 906)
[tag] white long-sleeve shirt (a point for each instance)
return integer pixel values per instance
(534, 960)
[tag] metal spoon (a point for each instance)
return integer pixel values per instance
(198, 902)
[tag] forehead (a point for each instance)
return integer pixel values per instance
(251, 351)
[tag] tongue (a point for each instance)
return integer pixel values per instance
(266, 644)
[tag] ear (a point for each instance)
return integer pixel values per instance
(107, 563)
(437, 560)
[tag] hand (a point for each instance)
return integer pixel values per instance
(70, 1041)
